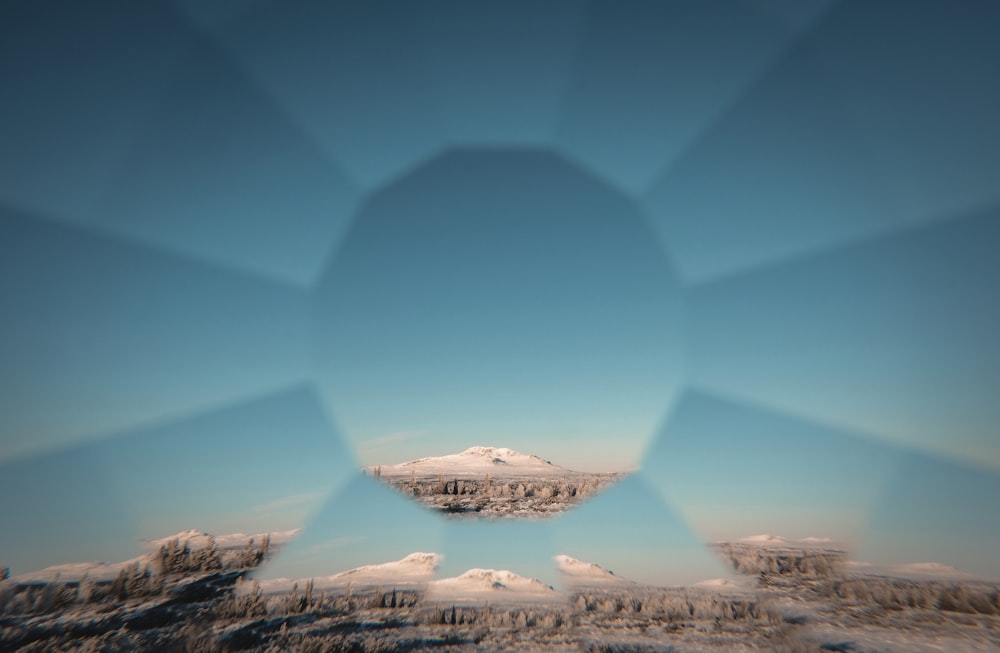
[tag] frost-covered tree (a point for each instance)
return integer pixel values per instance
(86, 590)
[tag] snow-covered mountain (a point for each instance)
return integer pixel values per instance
(474, 460)
(415, 569)
(195, 540)
(74, 571)
(200, 539)
(578, 572)
(489, 585)
(416, 566)
(764, 540)
(723, 584)
(778, 542)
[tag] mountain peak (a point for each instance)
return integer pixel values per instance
(477, 460)
(475, 581)
(763, 539)
(578, 572)
(415, 563)
(426, 559)
(501, 453)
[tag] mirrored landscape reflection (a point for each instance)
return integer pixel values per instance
(493, 482)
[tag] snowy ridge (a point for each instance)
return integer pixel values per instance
(75, 571)
(578, 572)
(200, 539)
(475, 460)
(722, 584)
(911, 571)
(490, 585)
(779, 542)
(414, 565)
(415, 569)
(195, 540)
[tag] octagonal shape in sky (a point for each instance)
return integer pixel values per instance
(501, 297)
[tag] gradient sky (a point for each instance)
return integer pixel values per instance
(679, 236)
(502, 298)
(255, 466)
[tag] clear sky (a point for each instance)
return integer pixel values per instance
(638, 536)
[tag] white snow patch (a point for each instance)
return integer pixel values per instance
(474, 460)
(415, 569)
(75, 571)
(779, 542)
(864, 637)
(416, 565)
(490, 585)
(578, 572)
(721, 584)
(764, 539)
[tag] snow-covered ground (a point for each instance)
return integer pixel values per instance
(848, 605)
(918, 639)
(794, 596)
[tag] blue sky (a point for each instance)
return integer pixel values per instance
(365, 523)
(639, 538)
(674, 236)
(255, 466)
(505, 298)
